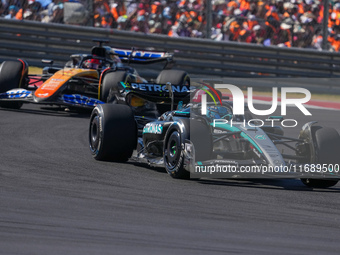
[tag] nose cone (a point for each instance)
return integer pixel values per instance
(48, 89)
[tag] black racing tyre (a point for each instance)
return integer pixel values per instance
(327, 148)
(109, 85)
(112, 132)
(176, 77)
(174, 155)
(319, 183)
(11, 77)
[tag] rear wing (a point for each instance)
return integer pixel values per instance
(142, 56)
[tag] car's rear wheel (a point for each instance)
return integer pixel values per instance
(176, 77)
(327, 149)
(112, 132)
(11, 77)
(110, 85)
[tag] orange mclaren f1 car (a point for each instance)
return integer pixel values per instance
(85, 81)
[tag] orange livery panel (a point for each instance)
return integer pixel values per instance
(54, 83)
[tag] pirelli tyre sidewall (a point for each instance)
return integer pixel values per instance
(326, 143)
(12, 76)
(173, 151)
(109, 87)
(96, 133)
(175, 77)
(112, 132)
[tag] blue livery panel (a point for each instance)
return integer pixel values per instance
(138, 55)
(76, 99)
(16, 94)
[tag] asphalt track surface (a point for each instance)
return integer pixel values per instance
(56, 199)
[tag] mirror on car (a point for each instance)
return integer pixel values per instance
(47, 61)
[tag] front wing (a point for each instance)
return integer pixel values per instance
(26, 96)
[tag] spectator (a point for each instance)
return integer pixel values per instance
(12, 11)
(287, 23)
(122, 22)
(56, 15)
(32, 12)
(2, 9)
(44, 3)
(118, 9)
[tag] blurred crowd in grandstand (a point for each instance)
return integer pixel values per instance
(285, 23)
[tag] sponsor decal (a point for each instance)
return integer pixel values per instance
(159, 88)
(42, 94)
(225, 161)
(218, 131)
(153, 128)
(256, 153)
(260, 137)
(136, 54)
(50, 86)
(100, 126)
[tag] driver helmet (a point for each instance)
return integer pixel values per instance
(217, 112)
(116, 59)
(92, 63)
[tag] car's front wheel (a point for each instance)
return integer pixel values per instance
(112, 132)
(200, 136)
(327, 149)
(11, 76)
(174, 155)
